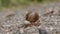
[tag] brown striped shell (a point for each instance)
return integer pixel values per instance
(32, 16)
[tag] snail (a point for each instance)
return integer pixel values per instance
(32, 16)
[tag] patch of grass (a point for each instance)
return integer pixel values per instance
(39, 1)
(8, 3)
(5, 3)
(17, 2)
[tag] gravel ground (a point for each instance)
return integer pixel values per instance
(50, 22)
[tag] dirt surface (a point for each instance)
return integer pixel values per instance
(11, 21)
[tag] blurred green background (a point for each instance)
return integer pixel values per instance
(10, 3)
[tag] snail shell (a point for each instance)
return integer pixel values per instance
(32, 16)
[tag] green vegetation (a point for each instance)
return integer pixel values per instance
(39, 1)
(5, 2)
(8, 3)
